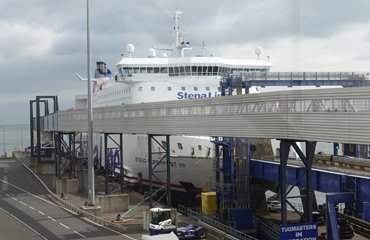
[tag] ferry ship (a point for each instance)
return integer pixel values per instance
(166, 74)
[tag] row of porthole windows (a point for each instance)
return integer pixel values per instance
(169, 88)
(186, 70)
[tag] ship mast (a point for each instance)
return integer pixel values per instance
(176, 28)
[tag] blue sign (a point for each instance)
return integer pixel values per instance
(304, 231)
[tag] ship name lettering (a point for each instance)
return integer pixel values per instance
(140, 160)
(186, 95)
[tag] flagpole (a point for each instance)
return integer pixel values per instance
(91, 180)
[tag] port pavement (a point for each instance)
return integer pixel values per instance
(76, 202)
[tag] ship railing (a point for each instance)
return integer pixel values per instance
(214, 224)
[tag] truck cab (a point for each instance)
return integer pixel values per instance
(160, 221)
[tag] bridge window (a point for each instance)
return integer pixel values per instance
(177, 70)
(187, 71)
(215, 71)
(209, 70)
(182, 71)
(143, 70)
(150, 70)
(199, 70)
(193, 70)
(171, 71)
(136, 70)
(156, 70)
(127, 72)
(204, 72)
(164, 70)
(164, 143)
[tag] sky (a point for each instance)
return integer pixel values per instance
(43, 42)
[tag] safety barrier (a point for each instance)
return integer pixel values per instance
(207, 221)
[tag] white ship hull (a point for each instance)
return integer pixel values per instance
(187, 165)
(154, 79)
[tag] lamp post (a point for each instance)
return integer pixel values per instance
(90, 176)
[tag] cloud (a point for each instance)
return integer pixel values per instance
(23, 40)
(43, 42)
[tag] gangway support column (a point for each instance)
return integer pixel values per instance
(40, 99)
(58, 155)
(32, 125)
(72, 156)
(225, 173)
(242, 175)
(68, 154)
(113, 159)
(165, 145)
(307, 160)
(284, 155)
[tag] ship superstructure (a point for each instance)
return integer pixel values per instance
(175, 74)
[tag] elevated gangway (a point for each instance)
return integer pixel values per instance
(326, 115)
(294, 79)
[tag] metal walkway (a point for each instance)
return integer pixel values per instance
(291, 79)
(327, 115)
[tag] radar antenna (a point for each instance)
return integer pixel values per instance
(258, 51)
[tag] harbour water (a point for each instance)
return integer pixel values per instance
(13, 137)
